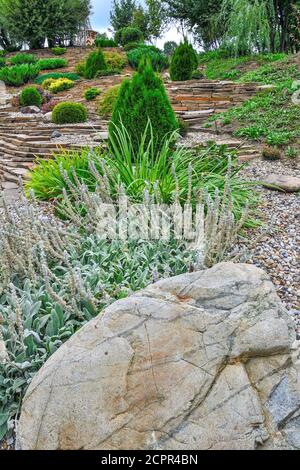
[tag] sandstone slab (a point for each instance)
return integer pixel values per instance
(289, 184)
(200, 361)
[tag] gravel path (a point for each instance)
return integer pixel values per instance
(277, 249)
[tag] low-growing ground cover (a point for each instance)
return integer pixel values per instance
(270, 116)
(55, 75)
(217, 65)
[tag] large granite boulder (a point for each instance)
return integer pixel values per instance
(200, 361)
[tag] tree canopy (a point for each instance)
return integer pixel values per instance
(245, 25)
(34, 21)
(151, 19)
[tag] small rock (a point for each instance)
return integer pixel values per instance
(290, 184)
(47, 117)
(56, 134)
(30, 110)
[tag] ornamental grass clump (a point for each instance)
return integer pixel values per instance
(141, 99)
(144, 169)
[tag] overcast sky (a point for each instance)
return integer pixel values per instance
(100, 20)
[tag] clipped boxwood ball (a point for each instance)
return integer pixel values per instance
(30, 96)
(69, 113)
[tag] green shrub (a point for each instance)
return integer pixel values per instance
(140, 99)
(158, 60)
(94, 64)
(183, 63)
(23, 58)
(115, 60)
(69, 113)
(133, 45)
(105, 42)
(49, 64)
(127, 35)
(71, 76)
(2, 53)
(107, 101)
(2, 62)
(58, 50)
(91, 93)
(30, 97)
(291, 152)
(19, 74)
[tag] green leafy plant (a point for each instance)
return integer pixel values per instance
(108, 101)
(18, 75)
(69, 113)
(91, 93)
(2, 62)
(128, 35)
(23, 58)
(183, 63)
(158, 60)
(59, 50)
(56, 63)
(30, 96)
(291, 152)
(95, 63)
(140, 99)
(144, 168)
(55, 75)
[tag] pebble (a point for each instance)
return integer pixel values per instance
(278, 250)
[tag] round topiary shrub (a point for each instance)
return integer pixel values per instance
(184, 62)
(69, 113)
(95, 63)
(127, 35)
(30, 97)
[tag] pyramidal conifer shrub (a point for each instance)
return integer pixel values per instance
(184, 62)
(95, 63)
(141, 99)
